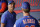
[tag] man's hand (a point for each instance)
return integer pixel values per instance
(2, 25)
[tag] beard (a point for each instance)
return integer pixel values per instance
(11, 9)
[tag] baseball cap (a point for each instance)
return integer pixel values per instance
(9, 2)
(25, 5)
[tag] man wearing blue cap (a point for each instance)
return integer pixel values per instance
(9, 17)
(27, 20)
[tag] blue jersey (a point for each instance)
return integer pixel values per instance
(27, 21)
(8, 19)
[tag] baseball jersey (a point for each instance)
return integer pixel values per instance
(8, 19)
(26, 21)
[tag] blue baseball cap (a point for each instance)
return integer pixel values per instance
(9, 2)
(25, 5)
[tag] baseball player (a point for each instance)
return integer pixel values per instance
(27, 20)
(9, 17)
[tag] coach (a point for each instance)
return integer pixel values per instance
(9, 17)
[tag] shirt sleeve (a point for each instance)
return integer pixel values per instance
(3, 19)
(37, 24)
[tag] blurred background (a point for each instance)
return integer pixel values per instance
(34, 5)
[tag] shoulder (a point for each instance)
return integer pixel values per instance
(34, 18)
(5, 13)
(14, 13)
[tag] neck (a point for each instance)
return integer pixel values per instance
(10, 11)
(26, 14)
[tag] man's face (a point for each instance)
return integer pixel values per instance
(11, 6)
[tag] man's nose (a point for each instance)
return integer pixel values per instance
(12, 5)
